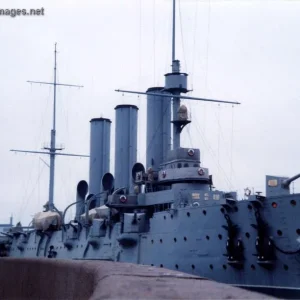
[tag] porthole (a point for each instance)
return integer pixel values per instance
(274, 204)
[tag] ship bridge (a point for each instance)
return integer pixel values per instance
(183, 164)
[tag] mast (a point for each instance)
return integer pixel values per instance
(53, 140)
(52, 149)
(175, 84)
(173, 35)
(175, 70)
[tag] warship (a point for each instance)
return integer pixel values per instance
(166, 213)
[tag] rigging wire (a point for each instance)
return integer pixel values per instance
(140, 42)
(39, 185)
(168, 26)
(25, 199)
(207, 43)
(221, 135)
(154, 42)
(231, 143)
(182, 41)
(194, 46)
(65, 166)
(213, 155)
(219, 129)
(32, 191)
(189, 135)
(206, 64)
(140, 74)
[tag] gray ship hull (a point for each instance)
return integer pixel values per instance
(189, 239)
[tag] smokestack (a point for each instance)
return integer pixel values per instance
(126, 144)
(158, 128)
(82, 189)
(99, 153)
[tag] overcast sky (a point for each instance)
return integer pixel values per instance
(246, 51)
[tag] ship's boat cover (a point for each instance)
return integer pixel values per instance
(102, 211)
(92, 214)
(43, 220)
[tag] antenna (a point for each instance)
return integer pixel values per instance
(52, 149)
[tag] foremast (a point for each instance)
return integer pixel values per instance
(52, 149)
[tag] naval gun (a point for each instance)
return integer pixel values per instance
(286, 183)
(278, 185)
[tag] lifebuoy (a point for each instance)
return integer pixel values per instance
(247, 192)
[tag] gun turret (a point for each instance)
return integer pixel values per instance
(279, 186)
(287, 182)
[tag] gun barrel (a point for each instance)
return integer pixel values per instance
(288, 181)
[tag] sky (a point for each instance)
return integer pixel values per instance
(245, 51)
